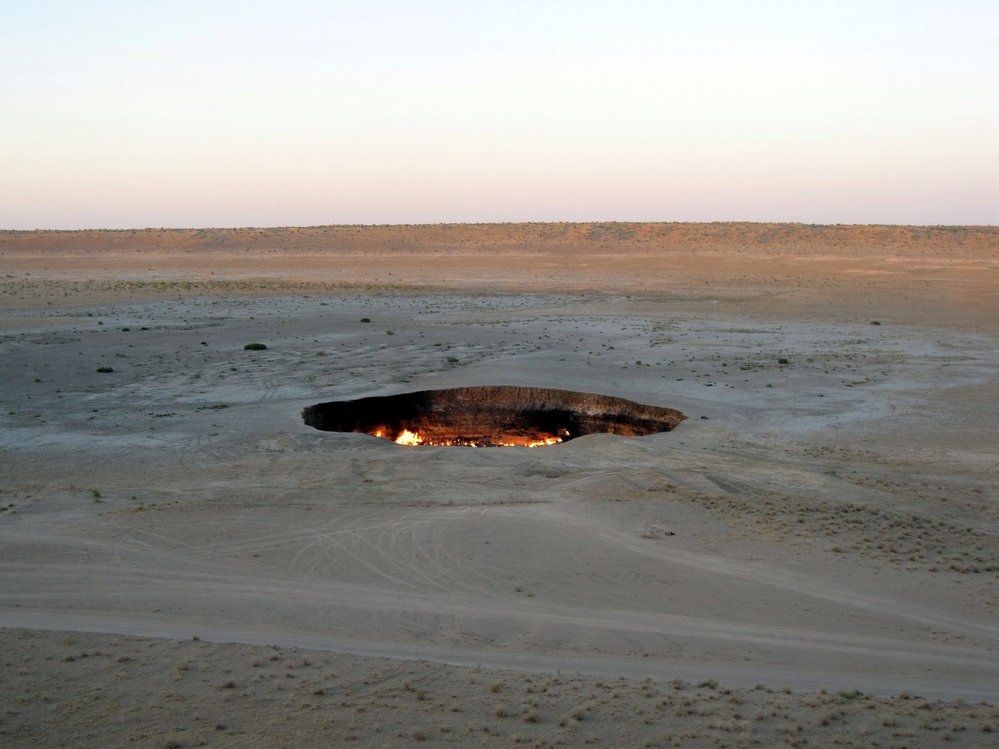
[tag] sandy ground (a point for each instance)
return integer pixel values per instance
(183, 562)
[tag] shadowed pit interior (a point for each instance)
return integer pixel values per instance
(490, 416)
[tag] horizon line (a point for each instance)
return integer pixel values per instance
(727, 222)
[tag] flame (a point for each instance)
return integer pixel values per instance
(408, 438)
(544, 442)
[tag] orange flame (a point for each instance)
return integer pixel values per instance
(409, 438)
(544, 442)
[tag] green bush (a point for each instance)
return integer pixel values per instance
(255, 346)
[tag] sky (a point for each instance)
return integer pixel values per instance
(246, 113)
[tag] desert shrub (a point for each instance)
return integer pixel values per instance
(851, 695)
(105, 370)
(255, 347)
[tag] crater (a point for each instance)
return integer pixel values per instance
(490, 416)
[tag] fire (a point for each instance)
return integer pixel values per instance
(544, 442)
(408, 438)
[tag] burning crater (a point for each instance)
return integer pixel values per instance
(491, 416)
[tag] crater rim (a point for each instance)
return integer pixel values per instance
(490, 416)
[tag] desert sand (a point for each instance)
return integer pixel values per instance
(810, 559)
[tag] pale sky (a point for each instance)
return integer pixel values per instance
(245, 113)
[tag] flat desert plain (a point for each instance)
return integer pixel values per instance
(810, 559)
